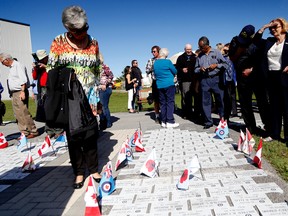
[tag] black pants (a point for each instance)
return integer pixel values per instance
(229, 99)
(278, 95)
(83, 153)
(186, 99)
(246, 87)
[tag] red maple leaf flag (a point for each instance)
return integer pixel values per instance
(241, 140)
(92, 207)
(150, 167)
(45, 146)
(251, 141)
(138, 145)
(258, 157)
(245, 146)
(121, 156)
(28, 164)
(3, 141)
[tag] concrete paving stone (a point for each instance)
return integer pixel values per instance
(238, 162)
(226, 191)
(148, 198)
(209, 202)
(123, 199)
(134, 209)
(3, 187)
(27, 208)
(274, 209)
(239, 210)
(64, 196)
(251, 173)
(186, 195)
(249, 198)
(34, 212)
(59, 192)
(271, 187)
(19, 197)
(243, 181)
(199, 183)
(51, 212)
(171, 206)
(8, 212)
(133, 190)
(48, 205)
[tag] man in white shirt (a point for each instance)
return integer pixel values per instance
(18, 84)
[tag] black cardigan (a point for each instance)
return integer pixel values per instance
(67, 106)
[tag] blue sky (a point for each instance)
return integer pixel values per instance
(127, 29)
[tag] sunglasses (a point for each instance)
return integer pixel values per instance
(79, 31)
(274, 27)
(153, 51)
(2, 62)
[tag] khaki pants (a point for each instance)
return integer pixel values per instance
(25, 122)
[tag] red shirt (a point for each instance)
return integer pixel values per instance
(43, 76)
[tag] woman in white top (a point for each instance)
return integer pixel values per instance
(275, 63)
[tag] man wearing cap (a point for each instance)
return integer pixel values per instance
(246, 59)
(18, 84)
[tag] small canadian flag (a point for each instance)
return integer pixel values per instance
(138, 145)
(241, 140)
(258, 157)
(28, 164)
(92, 207)
(3, 141)
(45, 146)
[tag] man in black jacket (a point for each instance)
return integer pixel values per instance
(250, 78)
(187, 79)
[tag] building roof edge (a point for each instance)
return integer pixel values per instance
(1, 19)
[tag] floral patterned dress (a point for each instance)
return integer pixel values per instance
(85, 62)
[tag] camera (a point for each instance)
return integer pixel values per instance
(36, 60)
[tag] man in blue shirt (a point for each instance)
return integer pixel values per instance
(210, 64)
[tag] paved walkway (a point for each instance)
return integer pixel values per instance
(227, 183)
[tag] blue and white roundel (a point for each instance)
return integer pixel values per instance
(221, 132)
(128, 153)
(106, 187)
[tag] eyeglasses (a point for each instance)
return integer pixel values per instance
(135, 62)
(79, 31)
(153, 51)
(202, 47)
(274, 27)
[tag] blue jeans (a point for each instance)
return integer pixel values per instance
(167, 102)
(104, 100)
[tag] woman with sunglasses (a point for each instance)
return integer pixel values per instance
(78, 50)
(275, 64)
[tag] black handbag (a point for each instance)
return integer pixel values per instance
(40, 112)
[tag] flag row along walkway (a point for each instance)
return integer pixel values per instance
(194, 173)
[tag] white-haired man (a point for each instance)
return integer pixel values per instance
(18, 83)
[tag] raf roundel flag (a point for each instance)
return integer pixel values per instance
(107, 183)
(222, 130)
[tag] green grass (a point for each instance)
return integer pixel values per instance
(275, 152)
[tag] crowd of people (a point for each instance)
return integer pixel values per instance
(72, 86)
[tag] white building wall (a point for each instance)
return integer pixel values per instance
(15, 39)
